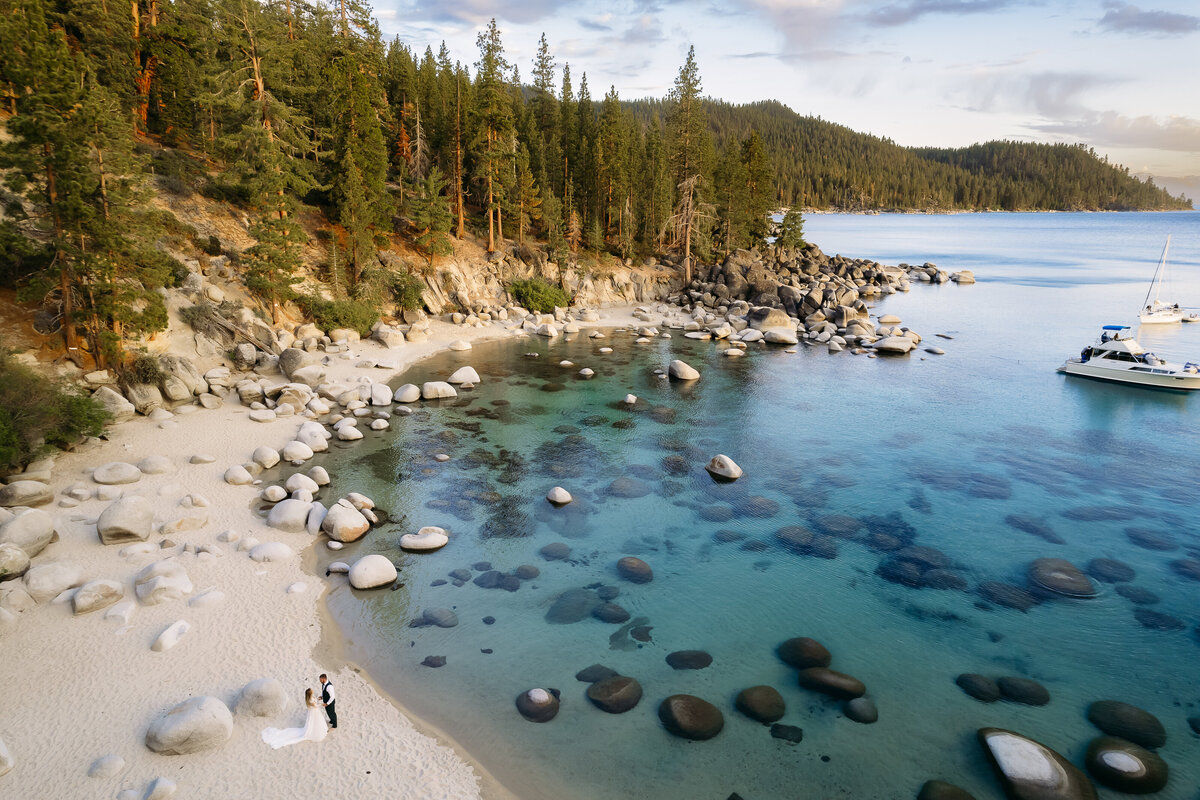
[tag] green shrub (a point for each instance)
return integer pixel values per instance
(408, 290)
(35, 414)
(143, 369)
(537, 295)
(358, 315)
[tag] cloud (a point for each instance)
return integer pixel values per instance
(1052, 95)
(598, 23)
(1126, 18)
(1112, 129)
(902, 13)
(478, 12)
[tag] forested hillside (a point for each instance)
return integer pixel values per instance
(819, 164)
(296, 111)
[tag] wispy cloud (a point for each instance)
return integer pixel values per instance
(1051, 95)
(894, 14)
(1112, 129)
(476, 12)
(1126, 18)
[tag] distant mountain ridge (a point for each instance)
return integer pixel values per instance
(823, 165)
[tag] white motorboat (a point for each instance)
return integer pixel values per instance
(1156, 312)
(1119, 358)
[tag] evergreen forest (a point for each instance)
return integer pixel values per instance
(296, 109)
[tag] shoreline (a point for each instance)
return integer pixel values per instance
(92, 699)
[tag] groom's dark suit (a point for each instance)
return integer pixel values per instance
(328, 697)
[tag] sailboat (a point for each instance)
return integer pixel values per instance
(1155, 311)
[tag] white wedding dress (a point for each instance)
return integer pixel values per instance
(314, 730)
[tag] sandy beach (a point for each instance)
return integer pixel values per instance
(79, 688)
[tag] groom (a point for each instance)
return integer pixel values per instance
(327, 699)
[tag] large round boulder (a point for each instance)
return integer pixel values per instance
(162, 582)
(25, 493)
(616, 695)
(802, 652)
(290, 515)
(464, 375)
(1032, 771)
(761, 703)
(372, 572)
(425, 540)
(437, 390)
(682, 371)
(635, 570)
(940, 790)
(723, 468)
(831, 682)
(981, 687)
(13, 561)
(129, 519)
(690, 717)
(537, 705)
(264, 697)
(116, 473)
(1060, 576)
(95, 595)
(46, 581)
(1127, 722)
(201, 723)
(1122, 765)
(344, 523)
(1023, 690)
(31, 531)
(861, 710)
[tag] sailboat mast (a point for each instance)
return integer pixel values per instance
(1156, 284)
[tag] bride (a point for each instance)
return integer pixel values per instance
(314, 729)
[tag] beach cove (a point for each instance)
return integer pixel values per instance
(870, 465)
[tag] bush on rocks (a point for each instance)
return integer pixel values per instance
(36, 414)
(538, 296)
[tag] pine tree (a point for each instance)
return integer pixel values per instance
(271, 264)
(528, 196)
(493, 104)
(791, 230)
(732, 194)
(760, 187)
(431, 216)
(689, 142)
(360, 161)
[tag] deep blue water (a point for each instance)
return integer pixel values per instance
(936, 450)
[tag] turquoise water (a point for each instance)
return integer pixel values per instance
(935, 451)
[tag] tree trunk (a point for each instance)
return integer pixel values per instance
(491, 209)
(458, 192)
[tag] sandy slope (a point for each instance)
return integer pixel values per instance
(77, 688)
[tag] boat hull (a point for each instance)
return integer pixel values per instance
(1161, 318)
(1185, 382)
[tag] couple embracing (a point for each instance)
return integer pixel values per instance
(315, 728)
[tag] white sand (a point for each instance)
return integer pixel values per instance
(78, 688)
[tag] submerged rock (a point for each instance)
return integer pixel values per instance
(789, 733)
(616, 695)
(537, 705)
(1110, 570)
(1023, 690)
(594, 673)
(940, 790)
(1124, 766)
(803, 652)
(689, 659)
(981, 687)
(1032, 771)
(831, 682)
(861, 710)
(690, 717)
(761, 703)
(1127, 722)
(1061, 577)
(635, 570)
(572, 606)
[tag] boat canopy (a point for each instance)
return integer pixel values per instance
(1115, 328)
(1120, 346)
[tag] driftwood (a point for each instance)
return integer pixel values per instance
(207, 314)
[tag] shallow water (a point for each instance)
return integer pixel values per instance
(948, 445)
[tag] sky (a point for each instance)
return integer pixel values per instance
(1119, 77)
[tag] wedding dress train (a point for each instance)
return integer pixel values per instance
(314, 730)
